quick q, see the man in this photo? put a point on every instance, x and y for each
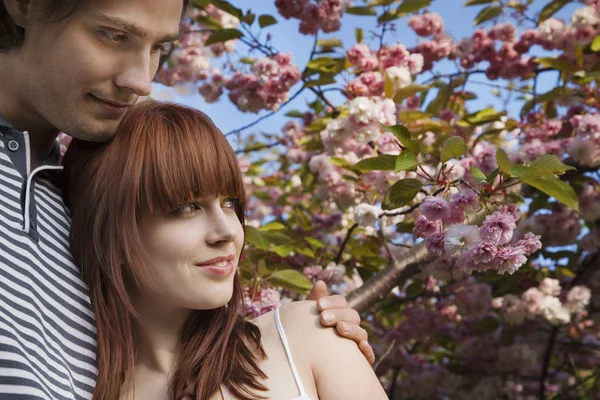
(74, 66)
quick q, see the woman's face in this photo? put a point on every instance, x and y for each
(193, 253)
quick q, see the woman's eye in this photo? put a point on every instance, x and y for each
(188, 208)
(232, 202)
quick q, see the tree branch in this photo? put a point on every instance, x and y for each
(364, 297)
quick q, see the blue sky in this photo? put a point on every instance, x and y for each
(285, 38)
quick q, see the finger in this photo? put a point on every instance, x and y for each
(351, 331)
(318, 290)
(346, 315)
(367, 351)
(332, 302)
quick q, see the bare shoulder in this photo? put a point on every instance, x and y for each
(300, 317)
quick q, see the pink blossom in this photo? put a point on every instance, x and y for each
(530, 243)
(435, 243)
(484, 253)
(435, 208)
(461, 237)
(361, 58)
(466, 199)
(260, 302)
(291, 8)
(509, 259)
(474, 300)
(505, 32)
(426, 24)
(498, 228)
(425, 227)
(456, 215)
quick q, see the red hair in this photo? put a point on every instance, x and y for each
(162, 155)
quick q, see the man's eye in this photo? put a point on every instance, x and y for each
(114, 37)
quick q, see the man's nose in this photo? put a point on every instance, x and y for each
(135, 75)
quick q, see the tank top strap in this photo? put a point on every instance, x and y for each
(286, 345)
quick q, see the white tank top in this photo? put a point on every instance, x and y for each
(303, 395)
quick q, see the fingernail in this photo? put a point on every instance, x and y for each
(328, 316)
(344, 327)
(323, 304)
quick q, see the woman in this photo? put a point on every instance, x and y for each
(157, 230)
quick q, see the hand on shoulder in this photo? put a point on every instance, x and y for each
(338, 366)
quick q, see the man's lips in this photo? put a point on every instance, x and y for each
(113, 107)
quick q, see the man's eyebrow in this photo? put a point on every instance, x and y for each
(133, 28)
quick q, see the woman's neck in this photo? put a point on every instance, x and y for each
(157, 336)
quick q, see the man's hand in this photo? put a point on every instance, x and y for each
(335, 312)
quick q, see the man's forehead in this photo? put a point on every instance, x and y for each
(133, 27)
(159, 19)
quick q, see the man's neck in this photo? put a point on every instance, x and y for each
(15, 110)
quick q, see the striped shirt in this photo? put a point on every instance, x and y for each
(47, 328)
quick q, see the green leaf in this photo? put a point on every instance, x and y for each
(440, 102)
(415, 289)
(294, 114)
(223, 35)
(486, 14)
(503, 161)
(327, 64)
(248, 18)
(359, 34)
(477, 2)
(557, 63)
(266, 20)
(398, 130)
(553, 187)
(453, 148)
(315, 243)
(551, 8)
(209, 22)
(254, 237)
(388, 87)
(291, 279)
(403, 135)
(401, 193)
(384, 162)
(477, 174)
(484, 116)
(490, 178)
(305, 251)
(518, 170)
(595, 46)
(282, 250)
(486, 325)
(409, 6)
(549, 164)
(263, 271)
(324, 79)
(273, 226)
(360, 11)
(405, 161)
(564, 271)
(329, 43)
(555, 94)
(408, 91)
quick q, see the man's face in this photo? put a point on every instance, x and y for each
(82, 74)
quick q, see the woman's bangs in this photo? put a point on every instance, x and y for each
(188, 160)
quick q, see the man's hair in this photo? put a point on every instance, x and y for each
(11, 35)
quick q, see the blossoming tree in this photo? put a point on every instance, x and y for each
(468, 236)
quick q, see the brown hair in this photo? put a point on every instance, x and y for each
(12, 36)
(162, 155)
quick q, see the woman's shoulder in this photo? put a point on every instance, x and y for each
(301, 325)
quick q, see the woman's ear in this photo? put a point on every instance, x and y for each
(18, 11)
